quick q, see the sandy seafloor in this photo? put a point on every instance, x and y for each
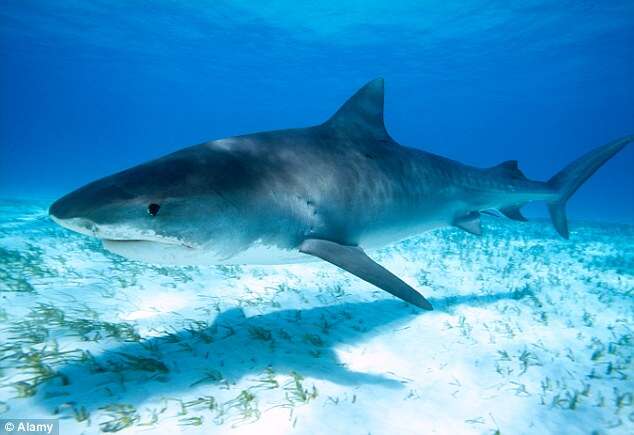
(531, 334)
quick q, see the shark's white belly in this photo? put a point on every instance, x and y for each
(255, 254)
(171, 254)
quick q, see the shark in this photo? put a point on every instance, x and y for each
(333, 191)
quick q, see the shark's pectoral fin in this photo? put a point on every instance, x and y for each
(352, 259)
(470, 223)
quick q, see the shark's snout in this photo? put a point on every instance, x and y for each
(105, 213)
(67, 214)
(59, 210)
(79, 225)
(84, 201)
(80, 211)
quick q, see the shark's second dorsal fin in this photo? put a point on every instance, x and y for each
(362, 114)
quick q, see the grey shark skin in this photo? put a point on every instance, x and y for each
(325, 191)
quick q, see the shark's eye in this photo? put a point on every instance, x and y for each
(153, 209)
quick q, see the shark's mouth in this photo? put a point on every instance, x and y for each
(131, 243)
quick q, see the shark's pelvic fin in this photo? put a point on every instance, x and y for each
(470, 223)
(513, 212)
(362, 114)
(568, 180)
(352, 259)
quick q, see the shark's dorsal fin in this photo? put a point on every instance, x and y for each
(362, 114)
(508, 168)
(509, 164)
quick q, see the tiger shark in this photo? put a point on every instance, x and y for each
(328, 191)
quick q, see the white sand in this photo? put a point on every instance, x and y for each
(531, 334)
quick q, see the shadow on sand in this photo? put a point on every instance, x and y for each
(234, 346)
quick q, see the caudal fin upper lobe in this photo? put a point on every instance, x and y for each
(568, 180)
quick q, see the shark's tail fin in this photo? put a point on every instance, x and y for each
(568, 180)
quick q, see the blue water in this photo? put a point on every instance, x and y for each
(88, 88)
(530, 333)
